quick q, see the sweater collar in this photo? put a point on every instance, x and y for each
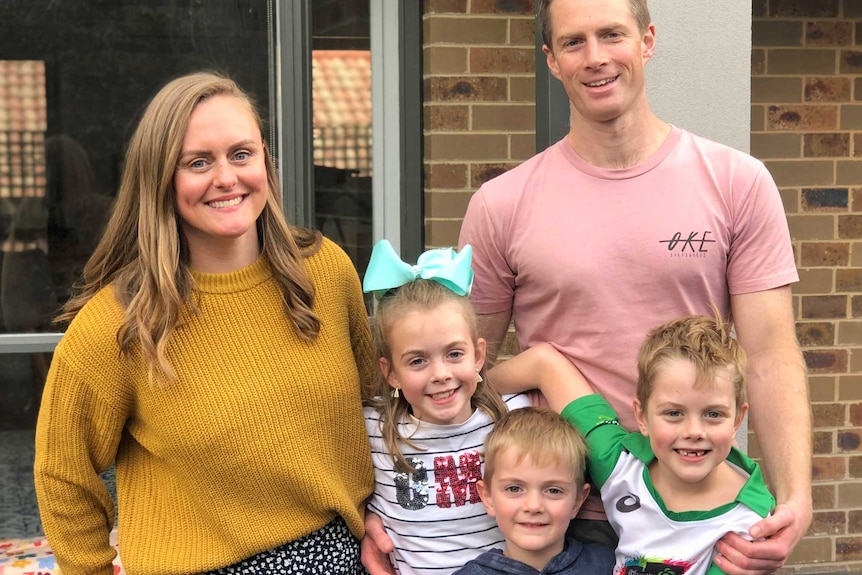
(240, 280)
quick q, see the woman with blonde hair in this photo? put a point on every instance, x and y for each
(215, 354)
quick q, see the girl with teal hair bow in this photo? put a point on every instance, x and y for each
(430, 410)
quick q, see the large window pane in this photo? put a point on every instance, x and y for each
(74, 79)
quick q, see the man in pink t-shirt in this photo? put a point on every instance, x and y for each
(629, 222)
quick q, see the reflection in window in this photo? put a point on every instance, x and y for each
(341, 96)
(74, 79)
(341, 108)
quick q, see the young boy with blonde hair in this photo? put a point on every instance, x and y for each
(672, 490)
(533, 486)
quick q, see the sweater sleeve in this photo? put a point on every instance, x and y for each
(360, 335)
(76, 439)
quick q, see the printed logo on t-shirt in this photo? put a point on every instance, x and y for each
(454, 483)
(628, 503)
(653, 566)
(689, 244)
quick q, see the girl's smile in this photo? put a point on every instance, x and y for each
(435, 363)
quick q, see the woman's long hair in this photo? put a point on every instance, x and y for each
(143, 252)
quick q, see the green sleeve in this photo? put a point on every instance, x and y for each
(597, 421)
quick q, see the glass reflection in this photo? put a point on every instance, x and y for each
(341, 103)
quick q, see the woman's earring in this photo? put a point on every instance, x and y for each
(478, 376)
(395, 393)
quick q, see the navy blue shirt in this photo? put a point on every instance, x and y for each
(576, 559)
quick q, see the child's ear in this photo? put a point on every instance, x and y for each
(386, 370)
(739, 417)
(485, 494)
(481, 349)
(585, 490)
(640, 417)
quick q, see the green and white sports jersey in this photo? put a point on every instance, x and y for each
(652, 538)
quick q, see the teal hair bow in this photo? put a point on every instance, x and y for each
(386, 271)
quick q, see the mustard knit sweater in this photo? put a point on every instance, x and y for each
(259, 442)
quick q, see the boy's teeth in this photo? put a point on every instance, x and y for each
(693, 453)
(226, 203)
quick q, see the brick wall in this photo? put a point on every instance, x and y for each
(479, 96)
(806, 125)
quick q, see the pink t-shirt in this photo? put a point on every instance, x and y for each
(591, 259)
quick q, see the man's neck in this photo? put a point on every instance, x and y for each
(620, 143)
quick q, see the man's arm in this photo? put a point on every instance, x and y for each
(493, 327)
(545, 368)
(781, 418)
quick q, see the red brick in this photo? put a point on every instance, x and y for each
(445, 176)
(828, 33)
(443, 118)
(855, 414)
(854, 468)
(828, 415)
(848, 280)
(818, 254)
(828, 468)
(445, 6)
(848, 440)
(500, 60)
(522, 31)
(823, 496)
(503, 7)
(481, 173)
(758, 62)
(474, 89)
(826, 360)
(823, 442)
(828, 89)
(796, 117)
(804, 8)
(828, 523)
(850, 227)
(824, 307)
(848, 549)
(815, 334)
(850, 62)
(826, 145)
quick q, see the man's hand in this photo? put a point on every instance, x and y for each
(775, 537)
(376, 546)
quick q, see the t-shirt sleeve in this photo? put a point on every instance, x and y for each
(598, 422)
(761, 255)
(484, 229)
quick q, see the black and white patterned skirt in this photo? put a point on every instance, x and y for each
(330, 549)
